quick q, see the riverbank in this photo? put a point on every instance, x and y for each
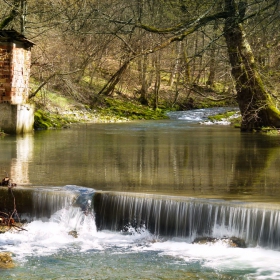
(57, 111)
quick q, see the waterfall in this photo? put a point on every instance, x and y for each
(189, 218)
(46, 202)
(164, 216)
(41, 203)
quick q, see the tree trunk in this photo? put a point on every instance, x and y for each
(19, 7)
(23, 6)
(143, 68)
(255, 103)
(176, 67)
(13, 14)
(212, 64)
(157, 81)
(186, 62)
(109, 87)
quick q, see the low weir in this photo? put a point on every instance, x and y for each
(35, 203)
(164, 216)
(189, 217)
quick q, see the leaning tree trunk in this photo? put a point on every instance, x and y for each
(255, 103)
(143, 69)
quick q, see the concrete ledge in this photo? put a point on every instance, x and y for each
(16, 119)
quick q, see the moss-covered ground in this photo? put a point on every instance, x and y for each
(54, 111)
(233, 117)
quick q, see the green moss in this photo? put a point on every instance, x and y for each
(122, 108)
(269, 131)
(227, 116)
(219, 88)
(41, 121)
(237, 125)
(220, 117)
(45, 120)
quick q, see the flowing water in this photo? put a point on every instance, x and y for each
(134, 197)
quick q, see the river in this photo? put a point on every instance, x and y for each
(143, 192)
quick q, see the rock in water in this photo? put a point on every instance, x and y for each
(6, 260)
(74, 233)
(230, 241)
(204, 240)
(238, 242)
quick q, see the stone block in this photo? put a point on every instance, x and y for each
(16, 119)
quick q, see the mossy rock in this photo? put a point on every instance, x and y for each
(6, 260)
(220, 117)
(270, 131)
(234, 242)
(41, 120)
(230, 116)
(45, 120)
(4, 228)
(73, 233)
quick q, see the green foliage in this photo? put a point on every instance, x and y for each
(131, 110)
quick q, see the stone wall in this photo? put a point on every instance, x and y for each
(16, 119)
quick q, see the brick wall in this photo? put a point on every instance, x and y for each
(5, 77)
(15, 62)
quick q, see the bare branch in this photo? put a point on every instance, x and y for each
(207, 97)
(33, 94)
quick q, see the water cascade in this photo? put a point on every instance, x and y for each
(164, 216)
(42, 203)
(114, 228)
(189, 218)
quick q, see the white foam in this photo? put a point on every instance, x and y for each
(46, 238)
(220, 256)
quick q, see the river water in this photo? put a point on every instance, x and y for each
(142, 183)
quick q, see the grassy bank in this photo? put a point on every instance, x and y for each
(54, 111)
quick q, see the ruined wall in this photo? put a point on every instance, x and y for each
(20, 69)
(5, 77)
(15, 60)
(16, 116)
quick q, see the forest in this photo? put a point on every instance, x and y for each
(161, 54)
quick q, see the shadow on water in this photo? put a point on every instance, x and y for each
(255, 162)
(172, 157)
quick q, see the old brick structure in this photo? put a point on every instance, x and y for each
(16, 115)
(15, 60)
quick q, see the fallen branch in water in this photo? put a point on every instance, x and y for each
(7, 219)
(7, 182)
